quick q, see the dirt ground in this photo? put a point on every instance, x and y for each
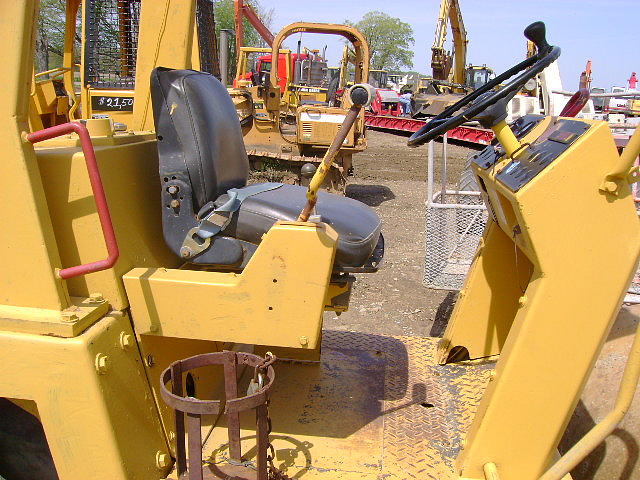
(391, 178)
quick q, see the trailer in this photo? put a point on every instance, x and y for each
(477, 136)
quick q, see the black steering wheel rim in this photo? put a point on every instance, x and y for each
(441, 123)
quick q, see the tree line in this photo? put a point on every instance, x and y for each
(390, 39)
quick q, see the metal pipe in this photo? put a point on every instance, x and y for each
(297, 67)
(505, 136)
(224, 56)
(430, 198)
(99, 197)
(624, 165)
(444, 168)
(597, 434)
(629, 154)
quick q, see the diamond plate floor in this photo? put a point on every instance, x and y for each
(375, 407)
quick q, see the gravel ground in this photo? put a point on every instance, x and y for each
(391, 178)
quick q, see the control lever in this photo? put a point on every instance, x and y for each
(537, 33)
(361, 95)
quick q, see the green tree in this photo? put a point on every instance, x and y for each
(390, 40)
(50, 34)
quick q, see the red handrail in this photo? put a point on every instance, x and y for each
(98, 194)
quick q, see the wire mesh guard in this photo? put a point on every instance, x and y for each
(208, 46)
(111, 43)
(455, 221)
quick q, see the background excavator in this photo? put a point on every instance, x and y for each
(451, 76)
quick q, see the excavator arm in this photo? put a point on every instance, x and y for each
(243, 10)
(441, 60)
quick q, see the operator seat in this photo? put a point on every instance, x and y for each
(202, 156)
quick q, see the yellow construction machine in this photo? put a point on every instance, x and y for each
(286, 123)
(108, 49)
(452, 77)
(162, 319)
(287, 138)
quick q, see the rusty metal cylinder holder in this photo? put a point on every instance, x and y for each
(194, 408)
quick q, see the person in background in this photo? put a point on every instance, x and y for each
(405, 102)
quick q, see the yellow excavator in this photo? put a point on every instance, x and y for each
(451, 76)
(162, 319)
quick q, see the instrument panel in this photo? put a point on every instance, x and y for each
(535, 157)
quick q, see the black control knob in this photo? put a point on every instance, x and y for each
(536, 32)
(359, 95)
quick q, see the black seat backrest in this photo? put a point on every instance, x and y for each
(201, 156)
(199, 134)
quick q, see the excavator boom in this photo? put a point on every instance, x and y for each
(243, 10)
(441, 60)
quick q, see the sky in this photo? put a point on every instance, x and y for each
(603, 31)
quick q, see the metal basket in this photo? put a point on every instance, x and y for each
(455, 221)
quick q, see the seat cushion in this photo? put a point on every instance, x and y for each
(358, 226)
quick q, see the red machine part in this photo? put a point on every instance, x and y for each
(576, 103)
(282, 66)
(478, 136)
(243, 10)
(386, 102)
(98, 195)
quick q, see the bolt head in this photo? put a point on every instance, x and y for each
(185, 252)
(304, 340)
(610, 186)
(174, 203)
(102, 363)
(149, 361)
(96, 297)
(163, 460)
(172, 189)
(522, 301)
(69, 317)
(126, 340)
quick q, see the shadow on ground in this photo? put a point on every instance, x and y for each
(372, 195)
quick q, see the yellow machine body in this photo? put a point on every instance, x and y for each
(293, 95)
(84, 355)
(284, 132)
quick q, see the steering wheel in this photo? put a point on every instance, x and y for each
(545, 56)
